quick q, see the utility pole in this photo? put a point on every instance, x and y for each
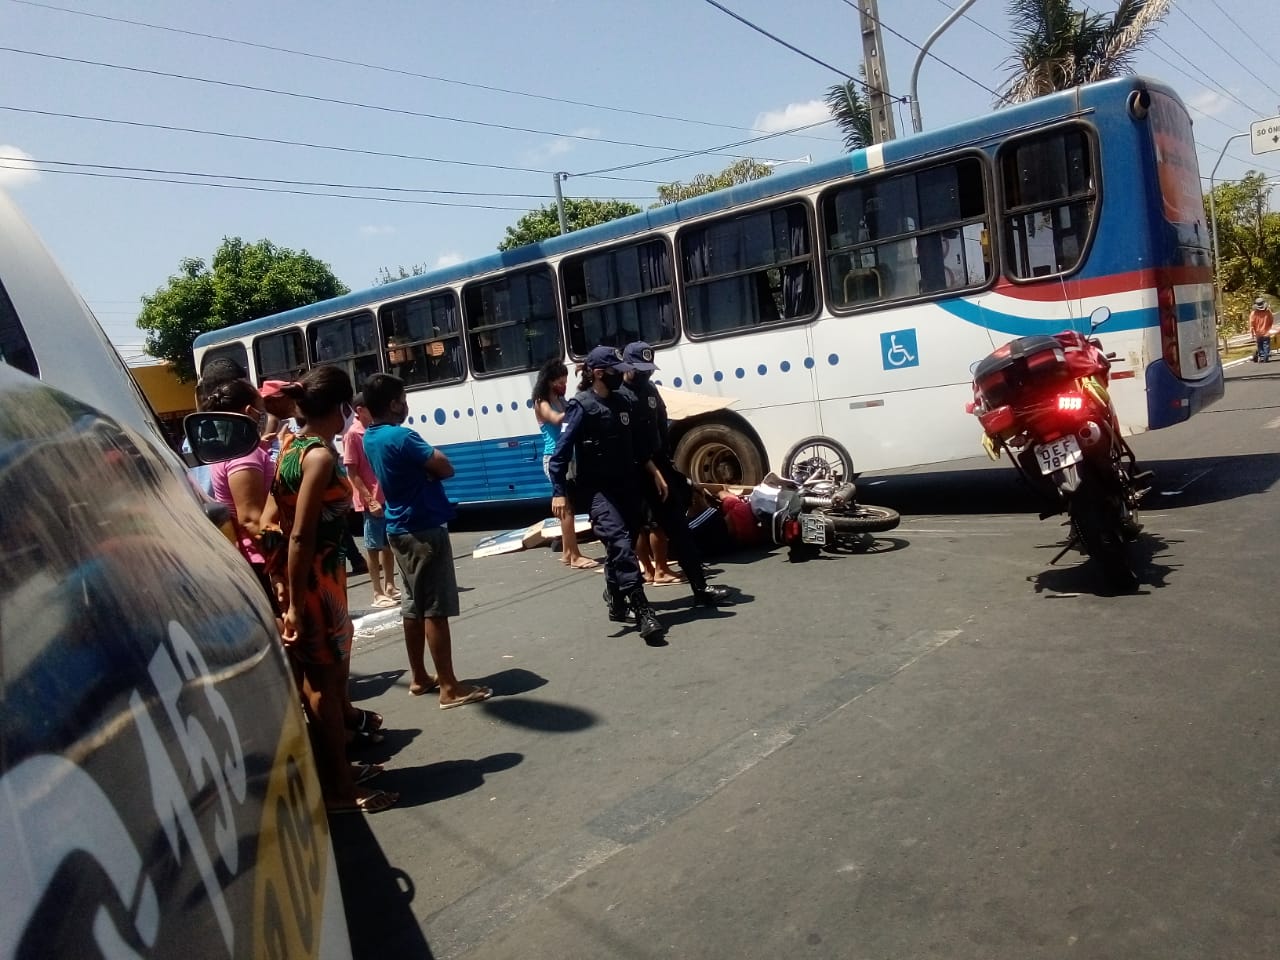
(878, 100)
(559, 177)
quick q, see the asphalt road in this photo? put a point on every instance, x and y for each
(944, 748)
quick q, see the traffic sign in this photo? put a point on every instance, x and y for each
(1264, 135)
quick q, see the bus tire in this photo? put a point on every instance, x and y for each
(719, 453)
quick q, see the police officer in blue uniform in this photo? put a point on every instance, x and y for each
(596, 436)
(650, 436)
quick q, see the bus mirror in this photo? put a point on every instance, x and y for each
(214, 437)
(1139, 104)
(1099, 316)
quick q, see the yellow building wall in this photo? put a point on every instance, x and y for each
(168, 395)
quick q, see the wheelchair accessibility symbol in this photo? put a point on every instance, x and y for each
(898, 349)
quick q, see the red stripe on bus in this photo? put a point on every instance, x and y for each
(1055, 290)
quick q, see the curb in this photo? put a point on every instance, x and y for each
(371, 623)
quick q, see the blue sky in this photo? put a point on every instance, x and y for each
(718, 80)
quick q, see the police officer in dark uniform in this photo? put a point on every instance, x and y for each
(650, 435)
(596, 436)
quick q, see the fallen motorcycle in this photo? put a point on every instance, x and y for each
(1044, 401)
(820, 512)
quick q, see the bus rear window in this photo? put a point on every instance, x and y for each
(1050, 200)
(748, 270)
(280, 356)
(619, 296)
(423, 340)
(346, 342)
(1176, 163)
(512, 322)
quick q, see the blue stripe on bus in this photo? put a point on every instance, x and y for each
(496, 470)
(1017, 326)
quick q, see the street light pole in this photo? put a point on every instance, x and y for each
(564, 221)
(916, 123)
(1213, 222)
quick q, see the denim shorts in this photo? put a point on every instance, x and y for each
(375, 531)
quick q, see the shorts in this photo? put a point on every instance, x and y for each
(429, 584)
(546, 465)
(375, 531)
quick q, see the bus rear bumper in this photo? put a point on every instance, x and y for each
(1172, 400)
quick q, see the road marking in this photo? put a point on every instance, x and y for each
(473, 918)
(1182, 489)
(1273, 425)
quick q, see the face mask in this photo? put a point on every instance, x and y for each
(642, 376)
(262, 422)
(612, 379)
(348, 417)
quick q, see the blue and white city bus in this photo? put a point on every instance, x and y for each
(845, 299)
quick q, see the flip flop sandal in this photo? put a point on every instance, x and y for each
(384, 601)
(374, 802)
(363, 772)
(475, 696)
(369, 726)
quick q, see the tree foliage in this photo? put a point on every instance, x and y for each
(247, 281)
(740, 171)
(544, 223)
(1248, 245)
(852, 114)
(1056, 47)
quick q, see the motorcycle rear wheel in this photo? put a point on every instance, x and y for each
(1098, 522)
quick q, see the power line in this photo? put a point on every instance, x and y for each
(1215, 42)
(1248, 36)
(912, 43)
(712, 151)
(293, 183)
(382, 68)
(976, 23)
(792, 47)
(315, 98)
(242, 186)
(1221, 88)
(292, 143)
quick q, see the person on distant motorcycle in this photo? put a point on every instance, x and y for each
(649, 436)
(1261, 320)
(596, 438)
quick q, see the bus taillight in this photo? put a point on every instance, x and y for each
(1168, 308)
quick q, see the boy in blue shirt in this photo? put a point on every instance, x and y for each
(410, 472)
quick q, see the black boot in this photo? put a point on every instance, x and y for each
(707, 595)
(646, 616)
(618, 610)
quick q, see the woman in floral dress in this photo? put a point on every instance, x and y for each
(312, 494)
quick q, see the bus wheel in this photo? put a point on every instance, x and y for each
(716, 453)
(813, 454)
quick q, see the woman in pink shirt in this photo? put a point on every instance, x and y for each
(244, 484)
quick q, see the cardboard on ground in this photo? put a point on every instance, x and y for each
(683, 403)
(535, 535)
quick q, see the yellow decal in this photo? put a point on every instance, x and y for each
(293, 844)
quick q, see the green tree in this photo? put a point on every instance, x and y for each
(580, 212)
(1056, 47)
(386, 276)
(852, 114)
(247, 281)
(740, 171)
(1248, 245)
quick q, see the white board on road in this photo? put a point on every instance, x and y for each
(1264, 135)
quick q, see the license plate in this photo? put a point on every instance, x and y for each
(1059, 454)
(813, 529)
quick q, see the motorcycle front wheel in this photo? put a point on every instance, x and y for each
(864, 518)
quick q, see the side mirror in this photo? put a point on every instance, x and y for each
(1099, 316)
(214, 437)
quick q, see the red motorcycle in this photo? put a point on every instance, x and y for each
(1044, 401)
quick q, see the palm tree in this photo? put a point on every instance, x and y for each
(852, 114)
(1057, 47)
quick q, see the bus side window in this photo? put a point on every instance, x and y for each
(749, 270)
(513, 322)
(280, 356)
(423, 340)
(1050, 196)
